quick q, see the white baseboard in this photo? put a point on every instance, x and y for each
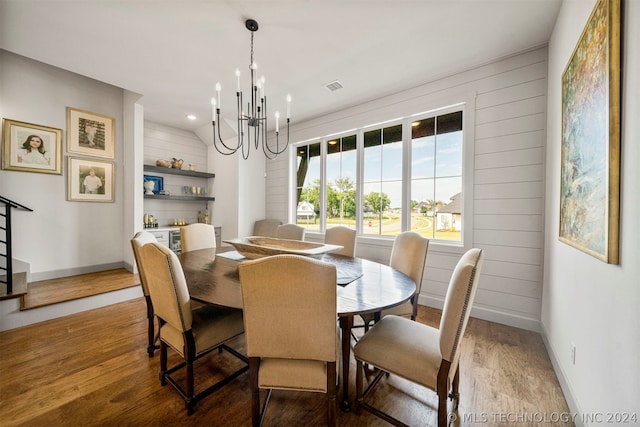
(55, 274)
(572, 403)
(491, 315)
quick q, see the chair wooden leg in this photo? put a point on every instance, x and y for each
(254, 366)
(150, 328)
(190, 356)
(331, 393)
(454, 395)
(441, 390)
(163, 363)
(189, 402)
(359, 379)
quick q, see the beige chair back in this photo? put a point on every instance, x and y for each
(457, 305)
(290, 232)
(167, 285)
(343, 236)
(409, 255)
(139, 240)
(266, 227)
(289, 305)
(197, 236)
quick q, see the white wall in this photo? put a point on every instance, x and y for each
(585, 301)
(59, 237)
(506, 109)
(62, 238)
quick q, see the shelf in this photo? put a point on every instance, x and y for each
(172, 171)
(181, 198)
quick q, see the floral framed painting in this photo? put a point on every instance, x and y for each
(27, 147)
(590, 146)
(90, 134)
(90, 180)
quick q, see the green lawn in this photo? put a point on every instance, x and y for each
(391, 225)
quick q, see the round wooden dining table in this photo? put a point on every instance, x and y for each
(363, 287)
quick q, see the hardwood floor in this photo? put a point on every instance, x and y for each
(53, 291)
(92, 369)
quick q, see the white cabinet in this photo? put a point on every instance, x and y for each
(170, 237)
(162, 236)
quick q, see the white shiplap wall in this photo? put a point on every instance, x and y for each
(164, 142)
(508, 111)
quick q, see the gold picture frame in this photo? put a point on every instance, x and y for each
(90, 134)
(28, 147)
(90, 180)
(590, 146)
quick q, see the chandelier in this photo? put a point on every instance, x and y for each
(252, 122)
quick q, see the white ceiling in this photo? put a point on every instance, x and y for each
(173, 52)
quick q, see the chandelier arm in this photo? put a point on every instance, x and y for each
(277, 150)
(215, 144)
(265, 146)
(241, 131)
(221, 141)
(232, 150)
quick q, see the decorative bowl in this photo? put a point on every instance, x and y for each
(253, 247)
(163, 163)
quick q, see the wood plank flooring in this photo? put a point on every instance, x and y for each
(54, 291)
(92, 369)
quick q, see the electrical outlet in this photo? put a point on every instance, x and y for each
(573, 353)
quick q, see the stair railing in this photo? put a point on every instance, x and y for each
(6, 242)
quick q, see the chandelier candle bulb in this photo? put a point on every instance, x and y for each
(238, 80)
(277, 121)
(288, 106)
(213, 109)
(218, 89)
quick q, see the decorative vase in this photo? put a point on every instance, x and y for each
(149, 186)
(177, 163)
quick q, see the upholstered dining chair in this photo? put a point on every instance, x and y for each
(422, 354)
(140, 239)
(290, 232)
(343, 236)
(284, 297)
(409, 256)
(197, 236)
(191, 333)
(266, 227)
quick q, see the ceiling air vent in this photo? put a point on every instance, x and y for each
(333, 86)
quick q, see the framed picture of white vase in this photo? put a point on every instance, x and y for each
(90, 134)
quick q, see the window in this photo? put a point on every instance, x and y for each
(436, 176)
(341, 182)
(382, 187)
(308, 185)
(382, 180)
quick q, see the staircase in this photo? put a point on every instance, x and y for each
(13, 281)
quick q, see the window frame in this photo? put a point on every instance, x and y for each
(464, 103)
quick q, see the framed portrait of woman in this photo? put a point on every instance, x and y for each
(27, 147)
(90, 134)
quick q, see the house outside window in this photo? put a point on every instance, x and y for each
(436, 176)
(308, 184)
